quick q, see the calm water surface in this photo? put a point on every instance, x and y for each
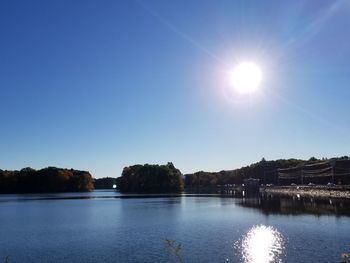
(104, 226)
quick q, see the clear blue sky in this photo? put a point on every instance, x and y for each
(99, 85)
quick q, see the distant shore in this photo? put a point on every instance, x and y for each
(310, 191)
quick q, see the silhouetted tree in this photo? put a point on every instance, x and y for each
(151, 179)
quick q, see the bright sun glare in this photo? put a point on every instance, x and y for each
(246, 77)
(262, 244)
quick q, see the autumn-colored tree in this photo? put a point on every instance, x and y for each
(50, 179)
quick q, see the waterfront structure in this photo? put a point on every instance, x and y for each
(327, 172)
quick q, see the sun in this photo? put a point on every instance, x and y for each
(246, 77)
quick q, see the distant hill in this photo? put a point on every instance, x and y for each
(105, 183)
(46, 180)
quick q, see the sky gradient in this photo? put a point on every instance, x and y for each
(99, 85)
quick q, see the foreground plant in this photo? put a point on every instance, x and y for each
(344, 258)
(174, 248)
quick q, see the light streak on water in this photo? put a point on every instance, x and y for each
(261, 244)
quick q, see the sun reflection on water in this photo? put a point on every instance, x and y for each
(261, 244)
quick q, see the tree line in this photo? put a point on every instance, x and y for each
(151, 178)
(148, 178)
(265, 171)
(50, 179)
(166, 178)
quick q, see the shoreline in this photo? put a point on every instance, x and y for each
(309, 191)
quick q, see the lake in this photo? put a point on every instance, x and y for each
(106, 226)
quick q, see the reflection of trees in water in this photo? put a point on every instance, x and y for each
(296, 205)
